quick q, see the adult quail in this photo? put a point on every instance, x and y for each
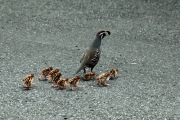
(92, 54)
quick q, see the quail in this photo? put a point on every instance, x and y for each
(45, 72)
(56, 78)
(92, 54)
(89, 76)
(52, 74)
(73, 82)
(62, 83)
(102, 78)
(28, 80)
(113, 73)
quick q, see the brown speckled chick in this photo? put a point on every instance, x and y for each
(28, 80)
(52, 74)
(45, 73)
(113, 73)
(62, 83)
(102, 79)
(73, 82)
(89, 76)
(56, 78)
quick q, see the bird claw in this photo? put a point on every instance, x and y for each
(107, 84)
(100, 85)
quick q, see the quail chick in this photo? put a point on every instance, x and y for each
(92, 54)
(28, 80)
(89, 76)
(73, 82)
(56, 78)
(103, 78)
(62, 83)
(113, 73)
(45, 72)
(52, 74)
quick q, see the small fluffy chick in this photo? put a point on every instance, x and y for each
(89, 76)
(56, 78)
(103, 78)
(45, 73)
(28, 80)
(73, 82)
(62, 83)
(52, 74)
(113, 73)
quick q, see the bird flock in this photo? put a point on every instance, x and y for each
(89, 60)
(54, 76)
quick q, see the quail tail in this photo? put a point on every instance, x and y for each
(78, 70)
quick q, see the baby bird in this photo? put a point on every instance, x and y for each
(28, 80)
(92, 54)
(62, 83)
(89, 76)
(73, 82)
(113, 73)
(45, 73)
(56, 78)
(52, 74)
(102, 78)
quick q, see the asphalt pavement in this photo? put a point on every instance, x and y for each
(144, 45)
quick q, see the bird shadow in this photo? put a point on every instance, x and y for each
(26, 88)
(114, 78)
(68, 89)
(75, 89)
(42, 79)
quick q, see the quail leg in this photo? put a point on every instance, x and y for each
(50, 79)
(92, 69)
(99, 83)
(64, 87)
(45, 77)
(61, 88)
(77, 86)
(106, 84)
(84, 70)
(25, 85)
(40, 77)
(54, 84)
(71, 87)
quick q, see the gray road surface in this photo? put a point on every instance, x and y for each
(144, 45)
